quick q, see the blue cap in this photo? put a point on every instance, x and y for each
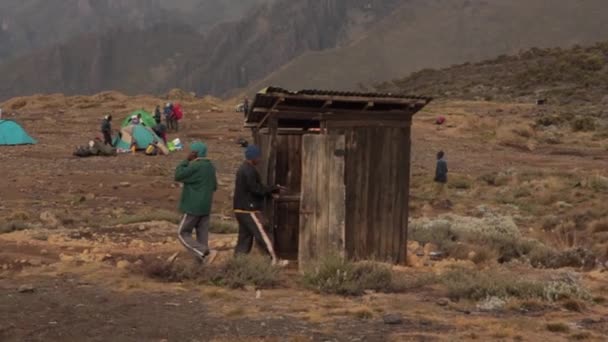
(252, 152)
(200, 149)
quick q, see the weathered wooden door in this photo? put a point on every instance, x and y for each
(283, 212)
(322, 206)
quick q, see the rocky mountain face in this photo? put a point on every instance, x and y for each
(294, 44)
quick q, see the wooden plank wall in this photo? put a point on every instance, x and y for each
(287, 211)
(322, 207)
(377, 193)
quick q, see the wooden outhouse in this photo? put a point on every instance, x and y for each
(345, 158)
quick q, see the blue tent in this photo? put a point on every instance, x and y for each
(11, 133)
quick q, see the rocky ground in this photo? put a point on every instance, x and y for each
(77, 233)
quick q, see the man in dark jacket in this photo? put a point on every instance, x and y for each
(157, 114)
(199, 178)
(441, 174)
(106, 130)
(249, 197)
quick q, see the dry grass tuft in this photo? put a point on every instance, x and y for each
(236, 273)
(558, 327)
(338, 276)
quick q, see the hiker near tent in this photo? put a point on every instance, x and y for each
(169, 116)
(106, 130)
(161, 130)
(441, 175)
(249, 196)
(198, 175)
(157, 114)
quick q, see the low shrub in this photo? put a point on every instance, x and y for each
(583, 124)
(335, 275)
(224, 227)
(558, 327)
(12, 226)
(460, 183)
(464, 283)
(157, 215)
(598, 184)
(600, 226)
(236, 273)
(250, 270)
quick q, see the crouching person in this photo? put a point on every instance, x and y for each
(249, 196)
(197, 173)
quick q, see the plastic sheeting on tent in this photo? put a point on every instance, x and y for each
(11, 133)
(146, 118)
(143, 137)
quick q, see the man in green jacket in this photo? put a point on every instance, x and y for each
(200, 182)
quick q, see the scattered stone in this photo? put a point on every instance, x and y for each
(89, 196)
(44, 252)
(392, 319)
(26, 288)
(123, 264)
(142, 228)
(563, 205)
(125, 184)
(258, 294)
(35, 262)
(491, 304)
(443, 301)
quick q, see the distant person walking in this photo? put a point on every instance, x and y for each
(106, 130)
(441, 175)
(249, 196)
(198, 175)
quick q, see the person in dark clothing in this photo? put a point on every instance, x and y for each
(169, 116)
(106, 130)
(161, 130)
(249, 197)
(246, 106)
(441, 174)
(198, 175)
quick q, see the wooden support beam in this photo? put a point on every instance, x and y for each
(270, 111)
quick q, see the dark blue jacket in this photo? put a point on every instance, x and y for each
(441, 172)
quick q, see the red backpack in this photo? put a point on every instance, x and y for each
(177, 111)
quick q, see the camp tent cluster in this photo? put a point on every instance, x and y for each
(11, 133)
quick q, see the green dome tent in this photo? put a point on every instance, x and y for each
(143, 137)
(146, 118)
(11, 133)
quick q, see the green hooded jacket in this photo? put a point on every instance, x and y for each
(200, 183)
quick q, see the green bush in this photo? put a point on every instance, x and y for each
(335, 275)
(250, 270)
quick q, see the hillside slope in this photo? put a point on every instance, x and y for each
(565, 76)
(423, 34)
